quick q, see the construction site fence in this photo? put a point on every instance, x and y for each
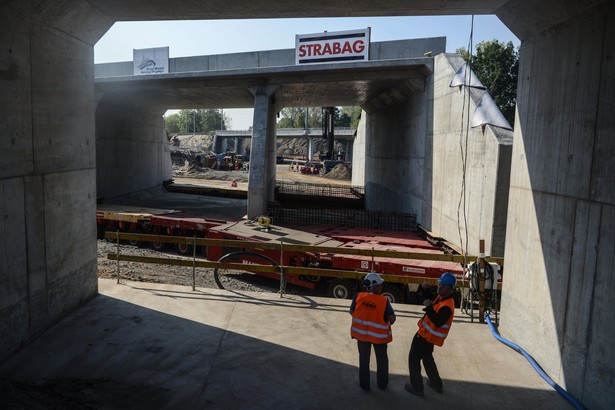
(286, 247)
(323, 190)
(351, 218)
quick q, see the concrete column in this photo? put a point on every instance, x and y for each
(358, 152)
(309, 149)
(47, 178)
(129, 142)
(394, 157)
(348, 152)
(261, 178)
(559, 280)
(220, 144)
(238, 146)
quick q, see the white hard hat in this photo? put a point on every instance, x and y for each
(372, 279)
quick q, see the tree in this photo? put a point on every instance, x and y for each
(172, 123)
(497, 66)
(349, 117)
(294, 117)
(196, 121)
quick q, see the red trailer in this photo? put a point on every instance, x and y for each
(252, 231)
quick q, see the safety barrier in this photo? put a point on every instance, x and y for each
(279, 269)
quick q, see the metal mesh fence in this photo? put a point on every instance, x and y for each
(352, 218)
(324, 190)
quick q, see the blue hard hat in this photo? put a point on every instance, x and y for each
(447, 278)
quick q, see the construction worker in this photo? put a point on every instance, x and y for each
(433, 329)
(372, 317)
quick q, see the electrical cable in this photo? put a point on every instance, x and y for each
(534, 364)
(464, 158)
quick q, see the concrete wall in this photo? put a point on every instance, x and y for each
(560, 266)
(394, 156)
(132, 152)
(47, 168)
(486, 174)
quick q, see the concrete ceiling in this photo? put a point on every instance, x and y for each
(88, 20)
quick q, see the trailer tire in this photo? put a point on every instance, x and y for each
(183, 249)
(218, 273)
(134, 242)
(342, 288)
(394, 293)
(159, 246)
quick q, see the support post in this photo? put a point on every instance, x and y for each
(481, 281)
(194, 263)
(117, 271)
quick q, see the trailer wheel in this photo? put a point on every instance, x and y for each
(134, 242)
(394, 293)
(220, 274)
(342, 288)
(159, 246)
(184, 249)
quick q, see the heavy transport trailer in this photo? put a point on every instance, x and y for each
(384, 240)
(130, 219)
(253, 231)
(405, 274)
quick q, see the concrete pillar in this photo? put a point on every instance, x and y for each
(358, 152)
(394, 157)
(309, 149)
(47, 178)
(348, 152)
(129, 142)
(559, 281)
(220, 144)
(261, 178)
(239, 145)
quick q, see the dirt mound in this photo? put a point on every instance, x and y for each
(198, 142)
(340, 172)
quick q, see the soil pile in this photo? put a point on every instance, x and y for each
(340, 172)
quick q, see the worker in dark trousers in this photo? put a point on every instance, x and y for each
(433, 329)
(372, 317)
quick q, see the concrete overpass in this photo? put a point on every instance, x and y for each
(561, 204)
(129, 107)
(345, 134)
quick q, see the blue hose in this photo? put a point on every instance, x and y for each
(535, 365)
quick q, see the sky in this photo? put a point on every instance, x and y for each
(207, 37)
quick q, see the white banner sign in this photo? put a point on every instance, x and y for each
(151, 61)
(333, 47)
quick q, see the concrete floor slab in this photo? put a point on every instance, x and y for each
(171, 347)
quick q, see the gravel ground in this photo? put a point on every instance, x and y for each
(182, 275)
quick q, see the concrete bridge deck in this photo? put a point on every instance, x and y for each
(144, 345)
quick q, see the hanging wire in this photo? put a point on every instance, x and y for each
(463, 145)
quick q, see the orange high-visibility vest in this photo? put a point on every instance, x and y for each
(368, 323)
(432, 333)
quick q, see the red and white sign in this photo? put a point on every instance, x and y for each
(332, 47)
